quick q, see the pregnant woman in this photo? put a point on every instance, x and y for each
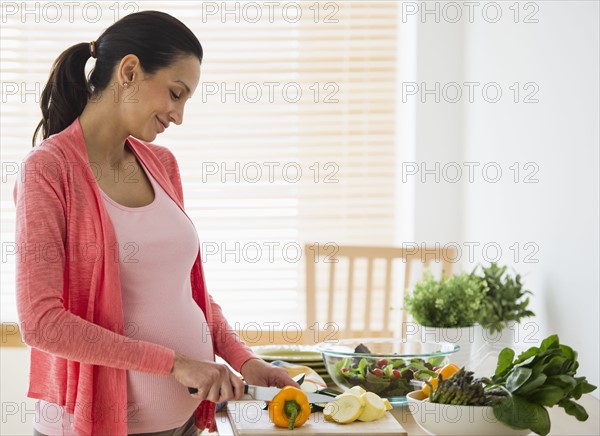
(110, 289)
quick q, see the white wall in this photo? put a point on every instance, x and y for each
(560, 135)
(18, 411)
(438, 138)
(557, 136)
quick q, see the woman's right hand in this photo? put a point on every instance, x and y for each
(215, 382)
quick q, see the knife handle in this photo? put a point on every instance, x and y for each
(195, 390)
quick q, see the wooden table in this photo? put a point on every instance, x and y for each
(562, 424)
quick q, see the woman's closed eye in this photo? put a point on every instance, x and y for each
(174, 96)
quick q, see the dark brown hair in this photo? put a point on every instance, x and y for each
(156, 38)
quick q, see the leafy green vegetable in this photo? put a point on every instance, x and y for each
(437, 361)
(517, 412)
(539, 378)
(361, 367)
(517, 378)
(574, 409)
(522, 388)
(375, 383)
(505, 359)
(532, 383)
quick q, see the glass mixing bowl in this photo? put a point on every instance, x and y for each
(389, 367)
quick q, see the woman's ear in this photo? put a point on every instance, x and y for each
(129, 68)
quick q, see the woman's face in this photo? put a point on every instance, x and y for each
(151, 102)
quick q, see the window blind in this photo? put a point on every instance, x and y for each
(288, 140)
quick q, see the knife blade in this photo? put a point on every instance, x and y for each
(263, 393)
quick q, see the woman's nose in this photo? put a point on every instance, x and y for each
(176, 116)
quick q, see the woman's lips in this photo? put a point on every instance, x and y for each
(162, 126)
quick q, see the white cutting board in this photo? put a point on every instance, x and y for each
(248, 418)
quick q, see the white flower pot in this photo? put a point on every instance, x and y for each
(487, 346)
(504, 338)
(464, 337)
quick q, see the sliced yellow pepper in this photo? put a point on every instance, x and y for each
(289, 408)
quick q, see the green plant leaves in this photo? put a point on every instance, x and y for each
(522, 388)
(456, 301)
(517, 378)
(362, 365)
(376, 384)
(587, 387)
(436, 361)
(532, 384)
(549, 343)
(505, 298)
(574, 409)
(492, 299)
(505, 359)
(516, 412)
(547, 395)
(540, 377)
(582, 387)
(566, 382)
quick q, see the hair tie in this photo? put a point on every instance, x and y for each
(93, 49)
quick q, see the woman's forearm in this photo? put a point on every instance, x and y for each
(59, 332)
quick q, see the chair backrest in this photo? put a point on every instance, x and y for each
(333, 309)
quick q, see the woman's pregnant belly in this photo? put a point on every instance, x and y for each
(156, 402)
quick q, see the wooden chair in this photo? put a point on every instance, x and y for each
(334, 309)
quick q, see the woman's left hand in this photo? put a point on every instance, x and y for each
(260, 373)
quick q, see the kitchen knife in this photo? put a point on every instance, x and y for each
(262, 393)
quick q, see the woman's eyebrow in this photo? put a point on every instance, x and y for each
(187, 88)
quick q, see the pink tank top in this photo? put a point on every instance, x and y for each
(158, 245)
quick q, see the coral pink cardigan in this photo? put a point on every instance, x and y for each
(69, 291)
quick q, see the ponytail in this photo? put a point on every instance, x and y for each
(65, 95)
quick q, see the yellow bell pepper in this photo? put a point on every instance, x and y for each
(447, 371)
(289, 408)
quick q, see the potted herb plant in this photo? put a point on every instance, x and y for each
(505, 305)
(473, 310)
(448, 310)
(506, 301)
